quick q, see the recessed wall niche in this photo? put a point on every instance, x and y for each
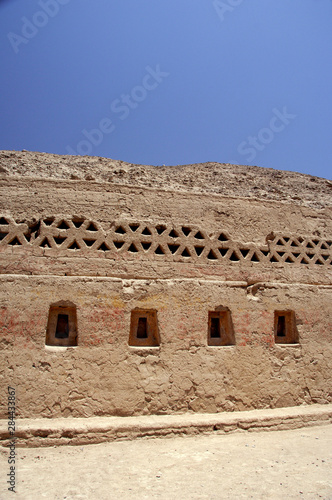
(220, 328)
(62, 325)
(285, 331)
(144, 328)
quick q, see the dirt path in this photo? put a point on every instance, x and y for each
(266, 465)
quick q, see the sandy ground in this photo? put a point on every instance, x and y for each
(265, 465)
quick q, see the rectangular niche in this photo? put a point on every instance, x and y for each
(285, 331)
(144, 328)
(220, 328)
(62, 326)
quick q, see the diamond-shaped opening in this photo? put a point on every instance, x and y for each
(159, 250)
(89, 242)
(160, 228)
(212, 255)
(2, 235)
(198, 250)
(222, 237)
(74, 246)
(15, 241)
(234, 257)
(63, 225)
(146, 245)
(118, 244)
(146, 232)
(173, 248)
(3, 222)
(78, 221)
(132, 248)
(244, 252)
(300, 239)
(120, 230)
(185, 253)
(199, 236)
(49, 221)
(45, 243)
(59, 239)
(186, 230)
(254, 257)
(103, 247)
(134, 227)
(92, 227)
(223, 251)
(173, 234)
(274, 259)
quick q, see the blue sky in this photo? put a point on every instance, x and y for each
(170, 82)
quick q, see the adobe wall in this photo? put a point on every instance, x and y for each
(110, 248)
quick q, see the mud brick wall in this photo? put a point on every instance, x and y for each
(135, 238)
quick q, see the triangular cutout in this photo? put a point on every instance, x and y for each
(146, 232)
(234, 257)
(274, 259)
(173, 248)
(223, 251)
(103, 247)
(265, 252)
(289, 260)
(310, 245)
(280, 242)
(146, 245)
(281, 253)
(325, 257)
(173, 234)
(186, 230)
(118, 244)
(15, 241)
(45, 243)
(223, 237)
(318, 261)
(199, 236)
(78, 221)
(49, 221)
(310, 255)
(185, 253)
(286, 239)
(295, 255)
(304, 261)
(160, 228)
(2, 235)
(120, 230)
(199, 250)
(244, 252)
(3, 222)
(92, 227)
(63, 225)
(74, 246)
(59, 239)
(132, 248)
(159, 250)
(88, 242)
(324, 246)
(294, 244)
(254, 257)
(134, 227)
(212, 255)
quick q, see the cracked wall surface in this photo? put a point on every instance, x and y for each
(109, 248)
